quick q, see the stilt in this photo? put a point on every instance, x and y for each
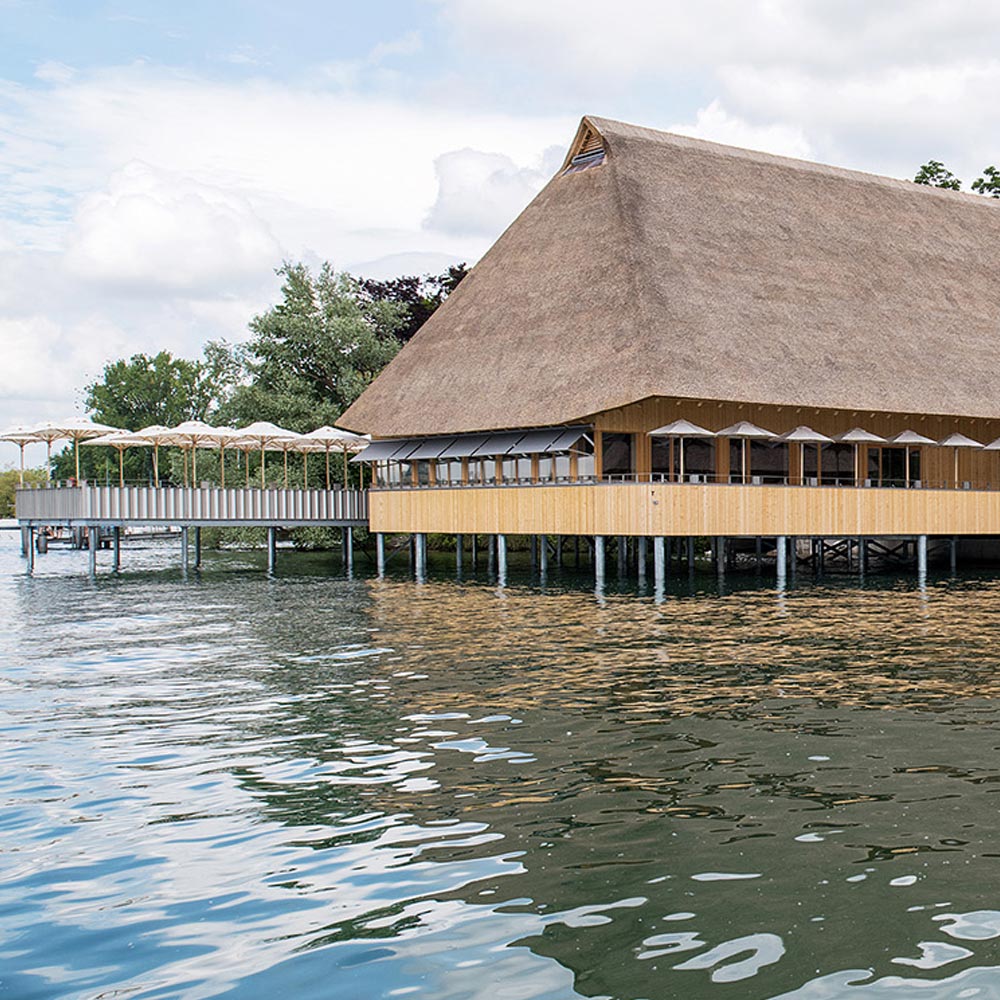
(559, 550)
(533, 550)
(94, 538)
(792, 546)
(641, 547)
(720, 555)
(501, 559)
(922, 556)
(491, 541)
(380, 554)
(459, 540)
(599, 560)
(475, 552)
(543, 555)
(690, 548)
(28, 533)
(413, 553)
(272, 550)
(659, 562)
(116, 536)
(622, 553)
(184, 549)
(758, 551)
(197, 548)
(781, 554)
(862, 556)
(420, 542)
(42, 541)
(576, 548)
(349, 549)
(953, 553)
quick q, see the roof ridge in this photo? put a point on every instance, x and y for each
(613, 128)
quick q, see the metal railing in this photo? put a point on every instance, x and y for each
(701, 479)
(189, 505)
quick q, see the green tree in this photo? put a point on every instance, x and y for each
(149, 389)
(9, 480)
(936, 174)
(159, 389)
(420, 295)
(989, 183)
(311, 355)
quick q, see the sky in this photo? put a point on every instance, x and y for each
(159, 160)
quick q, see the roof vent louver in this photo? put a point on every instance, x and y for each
(588, 151)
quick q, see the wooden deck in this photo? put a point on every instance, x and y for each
(690, 509)
(195, 507)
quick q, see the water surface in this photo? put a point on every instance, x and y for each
(314, 786)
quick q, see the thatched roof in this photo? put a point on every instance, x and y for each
(679, 267)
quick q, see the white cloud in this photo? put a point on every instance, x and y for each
(716, 124)
(153, 232)
(481, 193)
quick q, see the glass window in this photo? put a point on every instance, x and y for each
(617, 454)
(838, 465)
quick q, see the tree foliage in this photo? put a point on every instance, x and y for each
(159, 389)
(935, 174)
(9, 480)
(420, 295)
(989, 183)
(311, 355)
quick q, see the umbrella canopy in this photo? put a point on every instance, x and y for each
(75, 429)
(908, 439)
(682, 428)
(217, 437)
(957, 441)
(748, 432)
(265, 436)
(197, 434)
(333, 437)
(858, 436)
(119, 440)
(804, 435)
(992, 446)
(20, 435)
(156, 435)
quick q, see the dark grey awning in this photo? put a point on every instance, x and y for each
(550, 440)
(380, 451)
(430, 448)
(536, 442)
(498, 444)
(463, 447)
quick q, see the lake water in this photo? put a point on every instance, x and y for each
(309, 786)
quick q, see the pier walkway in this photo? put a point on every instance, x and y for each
(112, 508)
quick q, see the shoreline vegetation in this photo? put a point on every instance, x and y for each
(308, 357)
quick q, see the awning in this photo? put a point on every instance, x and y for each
(429, 449)
(550, 440)
(498, 444)
(380, 451)
(463, 447)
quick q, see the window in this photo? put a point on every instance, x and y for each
(616, 459)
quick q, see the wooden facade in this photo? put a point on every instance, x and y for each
(981, 468)
(677, 510)
(642, 505)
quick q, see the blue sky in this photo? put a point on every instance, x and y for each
(158, 160)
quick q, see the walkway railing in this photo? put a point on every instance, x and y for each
(191, 505)
(699, 479)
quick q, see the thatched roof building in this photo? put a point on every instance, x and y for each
(658, 265)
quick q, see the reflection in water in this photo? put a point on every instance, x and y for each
(317, 786)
